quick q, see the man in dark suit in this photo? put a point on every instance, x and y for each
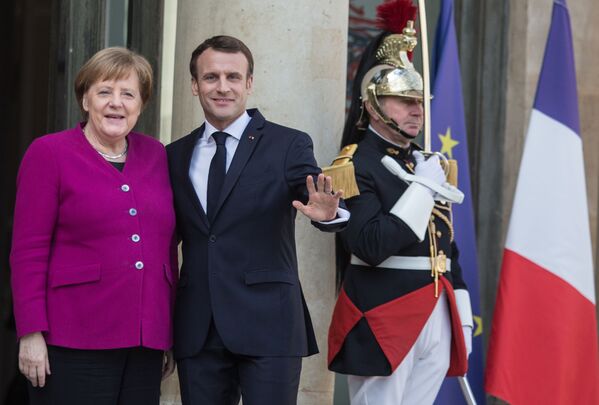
(241, 322)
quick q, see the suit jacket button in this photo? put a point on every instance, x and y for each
(212, 238)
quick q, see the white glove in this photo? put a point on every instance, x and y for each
(430, 169)
(467, 329)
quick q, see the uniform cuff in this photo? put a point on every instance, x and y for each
(462, 299)
(414, 208)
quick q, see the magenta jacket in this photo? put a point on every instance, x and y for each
(94, 262)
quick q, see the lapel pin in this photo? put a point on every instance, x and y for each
(251, 137)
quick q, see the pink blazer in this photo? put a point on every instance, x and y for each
(94, 261)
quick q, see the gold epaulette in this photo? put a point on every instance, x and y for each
(342, 172)
(452, 173)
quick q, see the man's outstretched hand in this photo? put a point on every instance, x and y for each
(322, 202)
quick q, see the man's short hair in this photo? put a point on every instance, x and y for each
(222, 43)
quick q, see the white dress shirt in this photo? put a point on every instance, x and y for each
(205, 149)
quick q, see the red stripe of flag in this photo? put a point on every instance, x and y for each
(543, 331)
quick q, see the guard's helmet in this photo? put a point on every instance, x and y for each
(385, 68)
(395, 75)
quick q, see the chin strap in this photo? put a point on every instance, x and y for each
(393, 125)
(389, 121)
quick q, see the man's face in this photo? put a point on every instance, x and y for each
(222, 85)
(406, 112)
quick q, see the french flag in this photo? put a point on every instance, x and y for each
(543, 347)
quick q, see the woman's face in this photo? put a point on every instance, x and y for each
(113, 107)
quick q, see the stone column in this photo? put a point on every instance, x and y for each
(299, 81)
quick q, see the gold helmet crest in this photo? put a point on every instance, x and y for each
(395, 75)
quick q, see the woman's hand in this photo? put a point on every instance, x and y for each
(33, 358)
(168, 367)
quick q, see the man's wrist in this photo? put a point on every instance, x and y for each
(342, 215)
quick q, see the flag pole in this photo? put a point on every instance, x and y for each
(425, 76)
(466, 390)
(426, 104)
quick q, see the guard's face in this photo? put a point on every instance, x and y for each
(222, 85)
(406, 112)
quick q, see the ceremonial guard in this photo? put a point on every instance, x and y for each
(403, 319)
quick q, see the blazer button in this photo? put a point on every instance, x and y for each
(212, 238)
(125, 187)
(135, 237)
(139, 265)
(132, 212)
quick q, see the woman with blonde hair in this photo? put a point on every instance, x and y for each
(94, 265)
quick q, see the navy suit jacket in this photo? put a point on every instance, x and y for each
(242, 268)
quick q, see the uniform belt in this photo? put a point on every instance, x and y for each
(402, 263)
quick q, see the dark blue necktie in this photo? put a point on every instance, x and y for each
(216, 175)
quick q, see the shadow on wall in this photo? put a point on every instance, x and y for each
(13, 390)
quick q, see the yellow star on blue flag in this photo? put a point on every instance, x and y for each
(448, 143)
(448, 129)
(478, 326)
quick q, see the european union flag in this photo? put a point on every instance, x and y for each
(448, 135)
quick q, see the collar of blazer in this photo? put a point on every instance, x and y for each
(245, 149)
(247, 144)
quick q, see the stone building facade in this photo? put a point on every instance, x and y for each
(300, 50)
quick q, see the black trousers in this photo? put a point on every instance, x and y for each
(101, 377)
(217, 376)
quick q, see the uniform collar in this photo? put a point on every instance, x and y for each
(389, 148)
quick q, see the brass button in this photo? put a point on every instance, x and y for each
(439, 234)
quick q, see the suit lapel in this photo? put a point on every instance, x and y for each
(250, 138)
(187, 184)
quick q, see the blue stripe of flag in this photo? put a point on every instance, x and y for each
(447, 119)
(556, 92)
